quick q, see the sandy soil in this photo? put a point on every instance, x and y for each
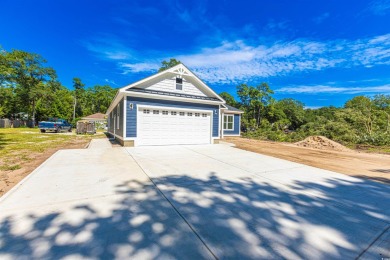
(358, 164)
(9, 179)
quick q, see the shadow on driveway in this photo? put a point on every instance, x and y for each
(236, 219)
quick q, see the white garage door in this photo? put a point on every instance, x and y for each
(172, 126)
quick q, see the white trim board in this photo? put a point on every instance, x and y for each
(176, 108)
(124, 116)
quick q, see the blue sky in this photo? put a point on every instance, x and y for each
(320, 52)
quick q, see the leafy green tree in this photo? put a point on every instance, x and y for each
(98, 99)
(382, 103)
(243, 95)
(168, 64)
(293, 111)
(262, 98)
(30, 77)
(228, 98)
(364, 116)
(5, 69)
(59, 105)
(273, 112)
(6, 100)
(78, 87)
(254, 100)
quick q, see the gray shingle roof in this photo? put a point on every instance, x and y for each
(172, 94)
(230, 108)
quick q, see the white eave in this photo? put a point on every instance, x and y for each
(232, 112)
(179, 69)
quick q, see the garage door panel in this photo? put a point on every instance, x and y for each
(172, 126)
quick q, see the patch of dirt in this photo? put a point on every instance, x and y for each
(358, 164)
(323, 143)
(9, 179)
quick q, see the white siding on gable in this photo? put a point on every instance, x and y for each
(169, 85)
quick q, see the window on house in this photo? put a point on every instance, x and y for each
(165, 112)
(204, 115)
(228, 122)
(146, 111)
(179, 83)
(189, 114)
(181, 113)
(173, 113)
(156, 112)
(197, 114)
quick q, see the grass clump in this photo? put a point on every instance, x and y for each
(21, 145)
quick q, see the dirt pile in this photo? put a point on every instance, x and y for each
(323, 143)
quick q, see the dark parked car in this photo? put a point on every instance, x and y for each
(55, 125)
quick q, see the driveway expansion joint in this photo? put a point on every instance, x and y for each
(175, 209)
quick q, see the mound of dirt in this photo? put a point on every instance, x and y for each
(323, 143)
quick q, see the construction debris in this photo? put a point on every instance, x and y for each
(85, 127)
(323, 143)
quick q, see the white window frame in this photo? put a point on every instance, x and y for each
(179, 84)
(226, 122)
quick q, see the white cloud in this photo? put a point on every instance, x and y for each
(237, 61)
(108, 47)
(321, 18)
(138, 67)
(312, 107)
(324, 89)
(110, 82)
(380, 7)
(272, 25)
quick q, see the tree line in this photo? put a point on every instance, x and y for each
(362, 119)
(30, 89)
(29, 86)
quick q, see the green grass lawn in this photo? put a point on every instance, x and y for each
(20, 145)
(371, 148)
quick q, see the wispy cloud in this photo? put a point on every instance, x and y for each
(324, 89)
(108, 47)
(139, 67)
(111, 82)
(237, 61)
(273, 25)
(312, 107)
(380, 7)
(321, 18)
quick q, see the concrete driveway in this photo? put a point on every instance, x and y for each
(191, 202)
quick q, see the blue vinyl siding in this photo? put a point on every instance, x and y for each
(110, 122)
(112, 128)
(131, 119)
(236, 130)
(131, 114)
(121, 121)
